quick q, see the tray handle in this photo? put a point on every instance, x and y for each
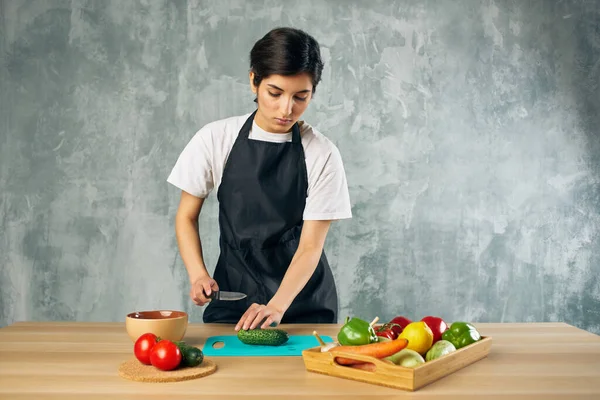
(378, 363)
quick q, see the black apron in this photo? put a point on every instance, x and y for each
(262, 196)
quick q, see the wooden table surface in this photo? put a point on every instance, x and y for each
(77, 360)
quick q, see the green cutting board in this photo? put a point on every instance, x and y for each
(230, 345)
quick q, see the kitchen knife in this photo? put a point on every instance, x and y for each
(226, 296)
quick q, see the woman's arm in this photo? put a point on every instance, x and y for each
(190, 247)
(303, 265)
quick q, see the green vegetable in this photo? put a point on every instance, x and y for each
(440, 348)
(461, 334)
(356, 332)
(190, 356)
(264, 337)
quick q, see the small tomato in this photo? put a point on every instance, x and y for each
(397, 329)
(387, 333)
(389, 330)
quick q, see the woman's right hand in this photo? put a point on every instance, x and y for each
(202, 288)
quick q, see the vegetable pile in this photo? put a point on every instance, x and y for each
(400, 341)
(164, 354)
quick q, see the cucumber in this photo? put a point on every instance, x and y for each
(263, 337)
(193, 357)
(190, 356)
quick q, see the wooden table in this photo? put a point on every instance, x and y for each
(77, 360)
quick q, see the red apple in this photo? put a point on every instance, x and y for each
(400, 323)
(437, 326)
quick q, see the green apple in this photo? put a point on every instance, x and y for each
(406, 358)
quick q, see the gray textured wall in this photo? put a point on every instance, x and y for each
(469, 131)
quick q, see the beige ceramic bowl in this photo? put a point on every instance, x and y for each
(168, 324)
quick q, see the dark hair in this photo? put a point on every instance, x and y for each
(286, 51)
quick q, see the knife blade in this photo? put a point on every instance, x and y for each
(226, 296)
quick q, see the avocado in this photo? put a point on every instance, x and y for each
(263, 337)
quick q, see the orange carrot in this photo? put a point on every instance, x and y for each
(377, 350)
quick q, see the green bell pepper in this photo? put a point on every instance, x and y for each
(461, 334)
(356, 332)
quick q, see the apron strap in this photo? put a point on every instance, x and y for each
(295, 133)
(245, 131)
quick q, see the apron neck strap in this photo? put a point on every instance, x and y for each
(295, 133)
(248, 124)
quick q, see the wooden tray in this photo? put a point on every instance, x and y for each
(396, 376)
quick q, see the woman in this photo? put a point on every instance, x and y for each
(279, 184)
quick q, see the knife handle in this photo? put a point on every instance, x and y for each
(214, 295)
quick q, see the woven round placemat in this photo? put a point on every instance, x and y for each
(136, 371)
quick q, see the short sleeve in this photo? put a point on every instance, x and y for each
(192, 172)
(328, 197)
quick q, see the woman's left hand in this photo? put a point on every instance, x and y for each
(256, 313)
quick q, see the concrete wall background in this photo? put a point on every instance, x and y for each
(469, 131)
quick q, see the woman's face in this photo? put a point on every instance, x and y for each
(281, 100)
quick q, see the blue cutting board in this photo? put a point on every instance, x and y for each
(235, 348)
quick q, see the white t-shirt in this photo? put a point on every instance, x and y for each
(199, 168)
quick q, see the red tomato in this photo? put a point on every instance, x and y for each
(389, 330)
(437, 326)
(387, 333)
(165, 355)
(397, 329)
(143, 346)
